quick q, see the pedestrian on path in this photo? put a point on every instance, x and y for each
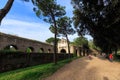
(90, 56)
(104, 55)
(111, 57)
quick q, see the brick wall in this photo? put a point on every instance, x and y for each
(12, 61)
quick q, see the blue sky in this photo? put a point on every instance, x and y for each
(22, 21)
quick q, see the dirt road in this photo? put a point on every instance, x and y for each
(85, 69)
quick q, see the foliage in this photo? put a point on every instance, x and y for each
(33, 73)
(96, 18)
(28, 50)
(92, 45)
(52, 29)
(50, 11)
(40, 51)
(64, 26)
(80, 41)
(51, 40)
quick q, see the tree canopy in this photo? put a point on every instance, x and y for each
(51, 40)
(80, 41)
(65, 27)
(100, 19)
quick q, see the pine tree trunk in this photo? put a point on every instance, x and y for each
(55, 42)
(68, 45)
(6, 9)
(55, 36)
(55, 46)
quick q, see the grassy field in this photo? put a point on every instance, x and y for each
(33, 73)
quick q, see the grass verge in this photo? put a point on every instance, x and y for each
(35, 72)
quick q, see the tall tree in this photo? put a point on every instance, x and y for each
(50, 11)
(96, 18)
(65, 28)
(5, 9)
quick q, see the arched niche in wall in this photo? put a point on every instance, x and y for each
(49, 50)
(11, 47)
(62, 51)
(30, 49)
(41, 50)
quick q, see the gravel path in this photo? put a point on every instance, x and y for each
(85, 69)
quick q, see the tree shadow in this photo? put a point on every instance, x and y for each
(105, 78)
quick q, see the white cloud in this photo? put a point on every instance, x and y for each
(31, 30)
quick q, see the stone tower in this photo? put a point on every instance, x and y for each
(63, 46)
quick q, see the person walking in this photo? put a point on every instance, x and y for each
(90, 56)
(111, 57)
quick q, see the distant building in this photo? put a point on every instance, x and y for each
(63, 47)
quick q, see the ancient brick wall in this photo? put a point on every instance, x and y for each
(12, 61)
(21, 44)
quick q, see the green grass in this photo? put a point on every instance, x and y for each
(33, 73)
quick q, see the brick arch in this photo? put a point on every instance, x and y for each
(29, 49)
(49, 50)
(62, 51)
(23, 43)
(41, 50)
(10, 46)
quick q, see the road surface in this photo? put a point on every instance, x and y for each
(85, 69)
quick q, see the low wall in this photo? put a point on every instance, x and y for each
(12, 61)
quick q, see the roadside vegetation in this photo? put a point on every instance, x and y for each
(117, 56)
(35, 72)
